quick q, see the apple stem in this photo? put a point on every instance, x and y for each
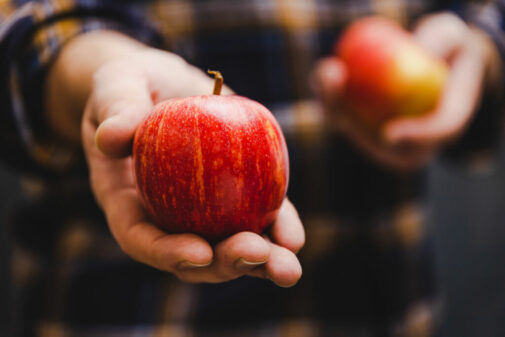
(218, 81)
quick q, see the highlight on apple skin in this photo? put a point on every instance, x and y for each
(211, 165)
(389, 73)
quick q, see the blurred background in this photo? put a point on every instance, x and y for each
(9, 194)
(468, 221)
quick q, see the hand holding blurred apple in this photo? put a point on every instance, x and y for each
(394, 124)
(388, 73)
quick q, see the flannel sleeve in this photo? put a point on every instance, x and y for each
(31, 34)
(479, 144)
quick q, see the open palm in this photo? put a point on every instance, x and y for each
(124, 92)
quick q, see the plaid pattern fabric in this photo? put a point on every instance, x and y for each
(368, 261)
(30, 38)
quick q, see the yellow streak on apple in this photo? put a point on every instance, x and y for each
(276, 146)
(144, 162)
(199, 158)
(258, 172)
(164, 197)
(161, 129)
(238, 162)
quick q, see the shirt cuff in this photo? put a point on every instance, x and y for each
(29, 43)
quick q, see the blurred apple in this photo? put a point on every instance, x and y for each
(389, 73)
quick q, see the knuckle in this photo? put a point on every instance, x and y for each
(126, 248)
(226, 272)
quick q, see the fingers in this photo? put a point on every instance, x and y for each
(400, 157)
(287, 230)
(283, 267)
(241, 253)
(247, 254)
(233, 258)
(190, 257)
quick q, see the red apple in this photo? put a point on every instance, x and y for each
(389, 73)
(211, 165)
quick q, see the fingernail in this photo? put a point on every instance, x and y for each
(281, 285)
(187, 265)
(244, 265)
(97, 132)
(286, 286)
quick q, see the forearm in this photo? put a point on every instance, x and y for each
(69, 81)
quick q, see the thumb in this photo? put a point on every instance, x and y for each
(121, 101)
(328, 80)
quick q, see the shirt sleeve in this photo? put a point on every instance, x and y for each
(480, 143)
(31, 35)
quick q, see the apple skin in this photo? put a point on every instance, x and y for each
(211, 165)
(388, 73)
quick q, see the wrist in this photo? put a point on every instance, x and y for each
(69, 81)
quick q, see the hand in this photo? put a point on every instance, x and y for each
(122, 93)
(410, 142)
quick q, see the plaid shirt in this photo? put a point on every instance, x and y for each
(368, 260)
